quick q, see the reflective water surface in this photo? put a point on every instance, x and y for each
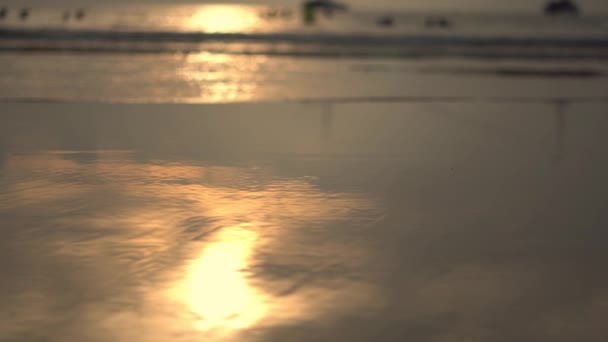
(167, 246)
(256, 223)
(232, 77)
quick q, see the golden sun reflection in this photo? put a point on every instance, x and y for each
(202, 243)
(217, 288)
(223, 19)
(224, 77)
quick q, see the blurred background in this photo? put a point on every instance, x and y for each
(198, 52)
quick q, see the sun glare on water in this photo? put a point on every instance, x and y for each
(224, 19)
(216, 288)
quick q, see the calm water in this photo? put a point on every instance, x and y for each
(205, 77)
(225, 173)
(227, 53)
(268, 222)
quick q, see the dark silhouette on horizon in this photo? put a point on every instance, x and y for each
(79, 14)
(25, 13)
(310, 8)
(386, 21)
(561, 7)
(439, 22)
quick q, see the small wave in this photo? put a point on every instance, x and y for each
(302, 44)
(341, 100)
(318, 38)
(523, 72)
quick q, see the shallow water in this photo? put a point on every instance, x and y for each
(268, 222)
(371, 192)
(209, 77)
(234, 53)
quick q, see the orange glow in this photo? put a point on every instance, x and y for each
(223, 77)
(218, 290)
(201, 276)
(223, 18)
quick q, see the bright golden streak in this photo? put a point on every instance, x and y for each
(223, 18)
(219, 292)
